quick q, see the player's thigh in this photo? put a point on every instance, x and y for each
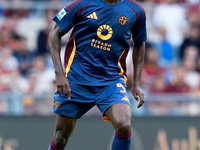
(65, 125)
(115, 105)
(119, 114)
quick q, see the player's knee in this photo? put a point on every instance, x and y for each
(60, 140)
(123, 128)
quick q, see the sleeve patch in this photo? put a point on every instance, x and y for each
(61, 14)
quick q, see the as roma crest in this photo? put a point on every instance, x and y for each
(56, 105)
(123, 20)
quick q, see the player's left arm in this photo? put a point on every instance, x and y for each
(139, 37)
(138, 61)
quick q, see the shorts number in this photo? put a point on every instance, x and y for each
(120, 85)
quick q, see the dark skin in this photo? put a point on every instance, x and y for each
(111, 1)
(138, 61)
(119, 114)
(55, 46)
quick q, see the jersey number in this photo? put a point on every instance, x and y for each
(120, 85)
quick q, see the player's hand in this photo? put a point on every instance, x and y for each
(63, 86)
(138, 94)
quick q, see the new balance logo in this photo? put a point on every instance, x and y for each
(125, 99)
(92, 16)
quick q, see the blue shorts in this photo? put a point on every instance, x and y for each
(83, 98)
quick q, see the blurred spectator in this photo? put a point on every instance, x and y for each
(10, 77)
(4, 83)
(189, 63)
(191, 52)
(8, 35)
(32, 81)
(10, 23)
(151, 69)
(160, 86)
(19, 84)
(9, 61)
(5, 36)
(193, 13)
(42, 39)
(192, 39)
(43, 76)
(169, 19)
(24, 56)
(177, 82)
(166, 54)
(7, 64)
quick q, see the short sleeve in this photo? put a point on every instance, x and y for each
(139, 28)
(66, 17)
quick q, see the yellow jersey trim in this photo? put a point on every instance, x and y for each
(71, 58)
(122, 71)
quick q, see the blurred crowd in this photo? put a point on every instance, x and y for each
(29, 68)
(172, 61)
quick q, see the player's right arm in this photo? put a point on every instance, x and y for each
(65, 20)
(62, 83)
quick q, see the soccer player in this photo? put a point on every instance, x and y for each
(95, 65)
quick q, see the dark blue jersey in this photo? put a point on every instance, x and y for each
(100, 40)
